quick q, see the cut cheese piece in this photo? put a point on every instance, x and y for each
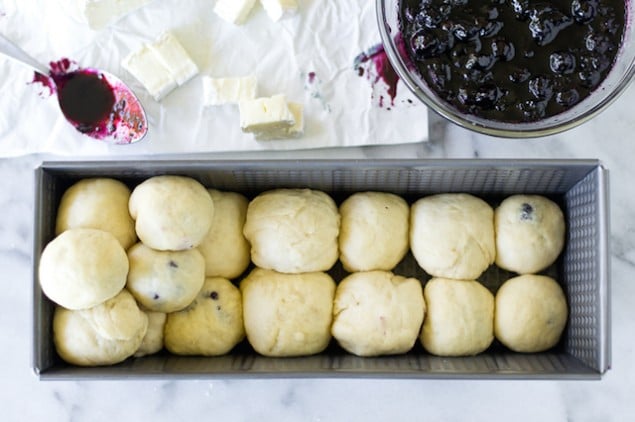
(219, 91)
(297, 129)
(279, 9)
(101, 13)
(174, 58)
(147, 68)
(267, 117)
(234, 11)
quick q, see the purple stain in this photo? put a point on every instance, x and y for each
(311, 77)
(375, 65)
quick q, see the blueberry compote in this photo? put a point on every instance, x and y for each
(513, 60)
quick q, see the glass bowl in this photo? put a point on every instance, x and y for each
(615, 82)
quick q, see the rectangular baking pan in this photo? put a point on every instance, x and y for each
(579, 186)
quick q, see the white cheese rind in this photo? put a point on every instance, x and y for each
(234, 11)
(266, 117)
(146, 67)
(101, 13)
(279, 9)
(173, 56)
(220, 91)
(294, 131)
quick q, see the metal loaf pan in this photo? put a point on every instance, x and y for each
(579, 186)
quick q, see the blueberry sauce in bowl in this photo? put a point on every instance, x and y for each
(512, 68)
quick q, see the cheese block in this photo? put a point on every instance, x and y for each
(267, 117)
(147, 68)
(279, 9)
(220, 91)
(297, 129)
(101, 13)
(234, 11)
(173, 57)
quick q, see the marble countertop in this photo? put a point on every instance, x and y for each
(608, 138)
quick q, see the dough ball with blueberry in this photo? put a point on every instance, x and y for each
(459, 318)
(287, 314)
(211, 325)
(102, 335)
(452, 235)
(530, 233)
(97, 203)
(225, 249)
(293, 230)
(531, 313)
(374, 231)
(377, 313)
(171, 212)
(165, 281)
(82, 268)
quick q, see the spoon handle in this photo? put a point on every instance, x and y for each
(12, 51)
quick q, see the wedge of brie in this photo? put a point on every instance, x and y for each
(101, 13)
(220, 91)
(174, 58)
(271, 118)
(234, 11)
(279, 9)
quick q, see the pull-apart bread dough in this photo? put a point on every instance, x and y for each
(452, 235)
(287, 314)
(102, 335)
(82, 268)
(377, 313)
(153, 340)
(97, 203)
(530, 233)
(374, 231)
(171, 212)
(293, 230)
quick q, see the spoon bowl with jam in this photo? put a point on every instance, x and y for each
(95, 102)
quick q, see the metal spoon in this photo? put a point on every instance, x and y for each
(95, 102)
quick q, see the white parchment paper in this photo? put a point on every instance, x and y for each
(310, 58)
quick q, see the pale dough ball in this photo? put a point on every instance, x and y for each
(102, 335)
(98, 203)
(82, 268)
(377, 313)
(459, 319)
(225, 249)
(530, 233)
(165, 281)
(293, 230)
(531, 313)
(211, 326)
(153, 340)
(287, 314)
(374, 231)
(452, 235)
(171, 212)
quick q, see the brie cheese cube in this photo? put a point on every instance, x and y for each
(266, 117)
(279, 9)
(173, 57)
(298, 127)
(234, 11)
(101, 13)
(146, 67)
(219, 91)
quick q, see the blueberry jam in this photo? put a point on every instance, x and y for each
(512, 60)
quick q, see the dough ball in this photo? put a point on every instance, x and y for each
(171, 212)
(530, 232)
(374, 231)
(293, 230)
(98, 203)
(212, 325)
(82, 268)
(459, 319)
(452, 235)
(165, 281)
(287, 314)
(531, 313)
(377, 313)
(225, 249)
(153, 340)
(102, 335)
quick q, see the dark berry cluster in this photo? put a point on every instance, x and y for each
(513, 60)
